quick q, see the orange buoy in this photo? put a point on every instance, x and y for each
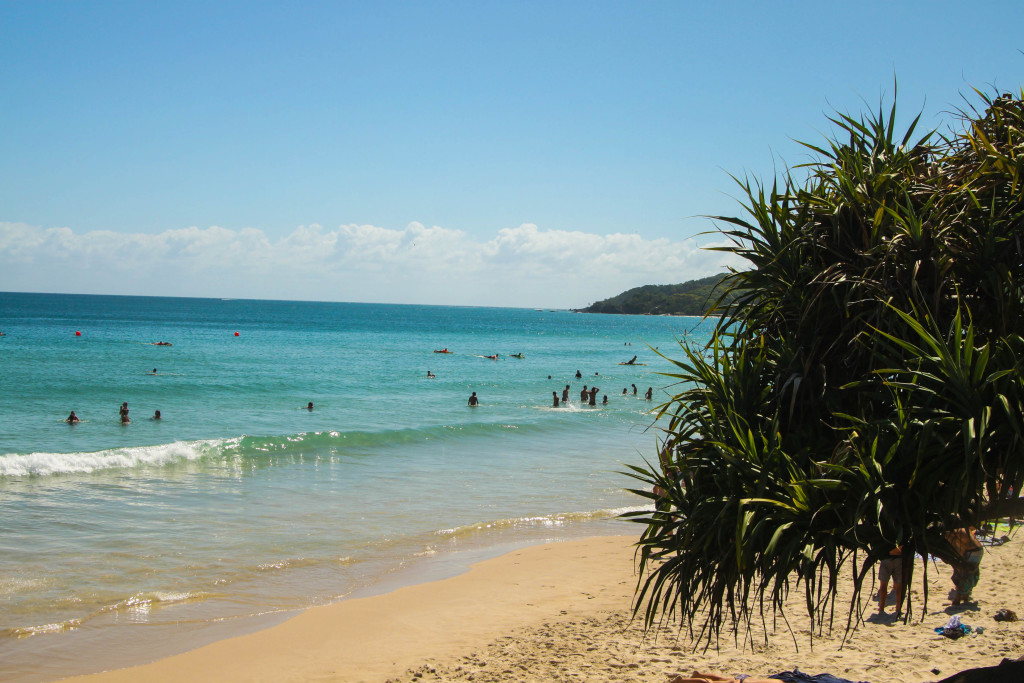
(236, 334)
(77, 333)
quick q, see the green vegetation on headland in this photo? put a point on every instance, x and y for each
(689, 298)
(865, 389)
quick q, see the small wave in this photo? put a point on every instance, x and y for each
(137, 607)
(145, 601)
(44, 464)
(320, 444)
(534, 521)
(29, 631)
(290, 563)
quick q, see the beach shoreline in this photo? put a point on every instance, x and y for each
(561, 611)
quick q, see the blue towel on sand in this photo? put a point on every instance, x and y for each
(795, 676)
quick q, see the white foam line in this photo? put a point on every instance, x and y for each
(44, 464)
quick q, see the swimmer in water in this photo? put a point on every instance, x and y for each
(309, 406)
(473, 400)
(154, 371)
(579, 375)
(72, 418)
(605, 401)
(156, 416)
(430, 375)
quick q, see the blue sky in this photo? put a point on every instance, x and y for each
(496, 153)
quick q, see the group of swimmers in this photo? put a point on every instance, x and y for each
(122, 411)
(588, 396)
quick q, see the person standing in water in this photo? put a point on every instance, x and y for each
(565, 394)
(634, 389)
(473, 400)
(554, 397)
(650, 393)
(593, 396)
(124, 413)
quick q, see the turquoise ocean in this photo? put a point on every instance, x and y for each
(123, 543)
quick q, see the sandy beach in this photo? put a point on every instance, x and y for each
(561, 612)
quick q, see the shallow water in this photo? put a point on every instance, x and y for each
(239, 502)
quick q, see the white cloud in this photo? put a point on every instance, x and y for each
(521, 266)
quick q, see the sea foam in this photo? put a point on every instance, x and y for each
(46, 464)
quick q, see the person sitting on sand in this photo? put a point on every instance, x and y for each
(72, 418)
(891, 567)
(473, 400)
(554, 397)
(699, 677)
(124, 413)
(156, 416)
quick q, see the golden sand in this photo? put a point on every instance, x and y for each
(561, 612)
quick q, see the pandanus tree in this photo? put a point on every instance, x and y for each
(863, 386)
